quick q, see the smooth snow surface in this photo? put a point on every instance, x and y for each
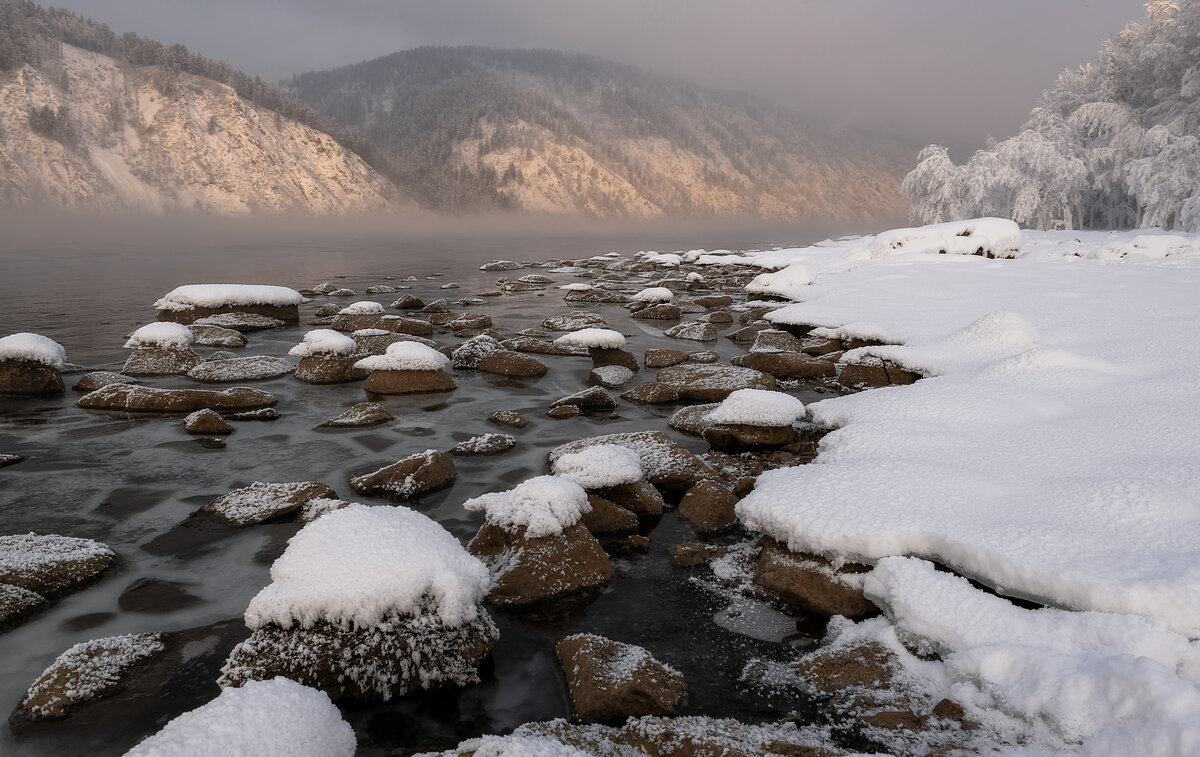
(325, 342)
(363, 307)
(275, 718)
(164, 335)
(995, 237)
(757, 407)
(544, 505)
(33, 347)
(601, 338)
(357, 565)
(654, 294)
(406, 356)
(191, 296)
(600, 466)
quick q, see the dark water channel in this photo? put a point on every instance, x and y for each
(130, 481)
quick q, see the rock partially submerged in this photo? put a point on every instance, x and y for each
(486, 444)
(408, 478)
(574, 321)
(509, 363)
(217, 336)
(260, 502)
(249, 368)
(7, 459)
(509, 418)
(407, 368)
(160, 361)
(787, 365)
(696, 331)
(812, 582)
(592, 398)
(330, 369)
(90, 382)
(610, 681)
(667, 465)
(361, 415)
(468, 354)
(144, 399)
(243, 321)
(31, 364)
(712, 383)
(187, 304)
(207, 422)
(35, 568)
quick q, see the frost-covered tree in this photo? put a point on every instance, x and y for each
(1115, 144)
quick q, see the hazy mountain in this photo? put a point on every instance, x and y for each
(548, 131)
(90, 119)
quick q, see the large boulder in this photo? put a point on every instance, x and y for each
(145, 399)
(408, 478)
(712, 383)
(260, 502)
(612, 681)
(188, 303)
(811, 582)
(409, 382)
(608, 518)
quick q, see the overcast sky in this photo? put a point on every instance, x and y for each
(949, 71)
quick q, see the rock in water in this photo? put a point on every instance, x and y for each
(409, 382)
(696, 331)
(505, 363)
(249, 368)
(667, 465)
(408, 478)
(709, 507)
(144, 399)
(487, 444)
(362, 415)
(244, 321)
(35, 568)
(611, 681)
(90, 382)
(31, 364)
(259, 502)
(217, 336)
(712, 383)
(592, 398)
(510, 418)
(206, 422)
(664, 358)
(330, 369)
(160, 361)
(811, 582)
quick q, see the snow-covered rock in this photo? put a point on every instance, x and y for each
(324, 342)
(31, 364)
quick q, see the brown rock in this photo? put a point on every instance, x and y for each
(747, 333)
(811, 582)
(549, 567)
(510, 418)
(787, 365)
(714, 301)
(948, 709)
(241, 321)
(637, 543)
(592, 398)
(206, 422)
(486, 444)
(90, 382)
(508, 363)
(562, 412)
(611, 681)
(708, 506)
(776, 340)
(408, 302)
(668, 466)
(816, 345)
(718, 316)
(867, 666)
(744, 436)
(409, 382)
(17, 605)
(712, 383)
(260, 502)
(707, 356)
(689, 554)
(875, 373)
(664, 358)
(217, 336)
(371, 343)
(51, 565)
(159, 361)
(608, 518)
(29, 377)
(639, 497)
(893, 720)
(602, 357)
(361, 415)
(408, 478)
(144, 399)
(538, 346)
(285, 313)
(660, 312)
(697, 331)
(652, 393)
(750, 315)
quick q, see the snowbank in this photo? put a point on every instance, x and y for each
(992, 237)
(363, 307)
(325, 342)
(33, 347)
(653, 294)
(757, 407)
(193, 296)
(780, 283)
(164, 335)
(605, 339)
(276, 718)
(544, 505)
(357, 565)
(600, 466)
(406, 356)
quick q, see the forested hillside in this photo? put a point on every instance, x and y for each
(1113, 145)
(544, 130)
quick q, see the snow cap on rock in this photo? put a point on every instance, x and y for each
(600, 466)
(324, 342)
(406, 356)
(599, 338)
(545, 505)
(757, 407)
(34, 348)
(192, 296)
(165, 335)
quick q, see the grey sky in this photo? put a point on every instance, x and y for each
(950, 71)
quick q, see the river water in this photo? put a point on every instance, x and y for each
(131, 481)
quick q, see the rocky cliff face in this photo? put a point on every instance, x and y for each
(83, 130)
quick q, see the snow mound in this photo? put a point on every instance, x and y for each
(544, 505)
(992, 237)
(600, 466)
(577, 287)
(757, 407)
(357, 565)
(605, 339)
(667, 259)
(34, 348)
(275, 718)
(363, 307)
(406, 356)
(654, 294)
(780, 283)
(193, 296)
(164, 335)
(1155, 246)
(326, 342)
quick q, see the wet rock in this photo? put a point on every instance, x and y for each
(7, 459)
(689, 554)
(84, 673)
(811, 582)
(464, 323)
(510, 418)
(408, 478)
(409, 382)
(486, 444)
(639, 497)
(151, 595)
(160, 361)
(89, 382)
(509, 363)
(697, 331)
(399, 656)
(244, 321)
(692, 419)
(216, 336)
(708, 506)
(563, 412)
(611, 376)
(574, 321)
(409, 302)
(325, 287)
(652, 393)
(605, 356)
(712, 383)
(541, 346)
(260, 502)
(527, 570)
(17, 605)
(714, 301)
(660, 312)
(787, 365)
(608, 518)
(468, 302)
(873, 373)
(637, 543)
(361, 415)
(667, 465)
(330, 369)
(144, 399)
(705, 357)
(250, 368)
(664, 358)
(468, 354)
(611, 681)
(206, 422)
(592, 398)
(535, 278)
(51, 565)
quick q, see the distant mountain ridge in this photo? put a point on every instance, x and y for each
(472, 127)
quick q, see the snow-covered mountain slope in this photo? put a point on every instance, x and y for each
(83, 130)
